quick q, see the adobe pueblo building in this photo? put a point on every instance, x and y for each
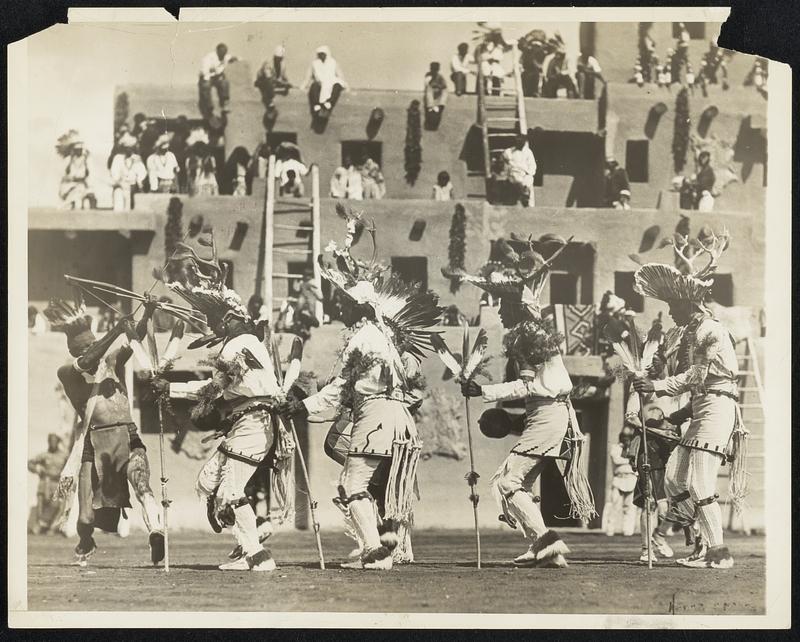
(571, 140)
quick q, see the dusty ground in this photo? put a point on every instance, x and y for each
(603, 577)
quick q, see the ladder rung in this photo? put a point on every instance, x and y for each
(512, 119)
(496, 151)
(286, 275)
(281, 226)
(283, 250)
(501, 134)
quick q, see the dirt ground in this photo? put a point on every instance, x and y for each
(603, 577)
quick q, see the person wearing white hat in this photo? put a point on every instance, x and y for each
(127, 173)
(271, 78)
(324, 82)
(162, 167)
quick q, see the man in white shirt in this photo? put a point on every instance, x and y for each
(460, 69)
(521, 169)
(212, 74)
(162, 168)
(324, 82)
(127, 173)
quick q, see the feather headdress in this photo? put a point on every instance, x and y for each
(201, 282)
(404, 309)
(516, 278)
(66, 317)
(667, 283)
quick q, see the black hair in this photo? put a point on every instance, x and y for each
(442, 179)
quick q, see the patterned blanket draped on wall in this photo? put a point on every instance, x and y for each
(577, 324)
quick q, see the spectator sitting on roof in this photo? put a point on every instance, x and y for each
(271, 78)
(355, 184)
(324, 83)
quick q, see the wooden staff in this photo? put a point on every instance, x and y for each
(292, 372)
(472, 476)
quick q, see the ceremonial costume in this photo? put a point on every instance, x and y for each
(384, 446)
(243, 392)
(108, 452)
(707, 368)
(551, 428)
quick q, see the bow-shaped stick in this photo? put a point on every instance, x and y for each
(464, 372)
(286, 383)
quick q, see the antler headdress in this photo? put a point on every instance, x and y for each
(201, 282)
(518, 278)
(403, 308)
(667, 283)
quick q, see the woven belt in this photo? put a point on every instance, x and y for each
(723, 393)
(227, 424)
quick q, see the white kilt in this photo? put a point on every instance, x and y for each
(377, 424)
(546, 425)
(713, 421)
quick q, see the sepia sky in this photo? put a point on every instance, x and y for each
(73, 70)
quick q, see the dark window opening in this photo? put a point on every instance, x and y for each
(229, 275)
(417, 230)
(697, 30)
(276, 138)
(563, 288)
(358, 151)
(722, 290)
(636, 160)
(293, 284)
(412, 269)
(623, 288)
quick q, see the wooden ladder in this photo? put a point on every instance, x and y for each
(288, 244)
(751, 402)
(500, 119)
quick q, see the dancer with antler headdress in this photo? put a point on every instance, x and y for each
(385, 340)
(108, 453)
(544, 384)
(708, 369)
(240, 399)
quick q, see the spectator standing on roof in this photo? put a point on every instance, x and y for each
(162, 168)
(587, 69)
(212, 75)
(127, 173)
(521, 166)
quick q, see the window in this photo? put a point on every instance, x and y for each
(623, 288)
(276, 138)
(227, 263)
(357, 151)
(697, 30)
(636, 160)
(412, 269)
(299, 268)
(563, 288)
(722, 290)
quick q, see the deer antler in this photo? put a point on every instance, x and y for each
(680, 243)
(714, 246)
